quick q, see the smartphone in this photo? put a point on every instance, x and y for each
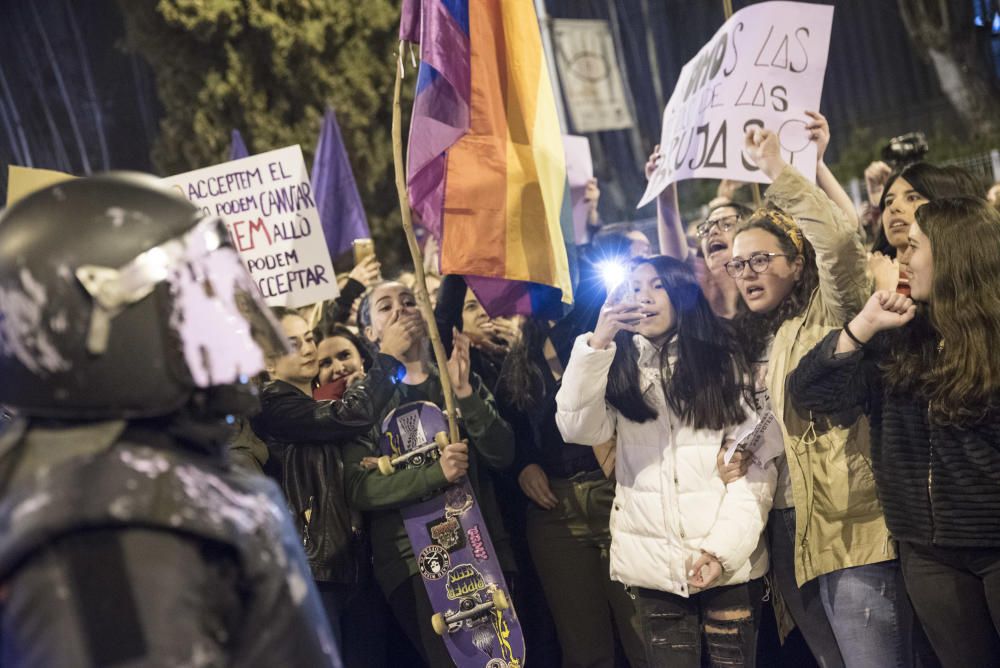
(363, 248)
(622, 294)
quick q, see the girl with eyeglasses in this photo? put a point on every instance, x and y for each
(715, 242)
(800, 269)
(715, 234)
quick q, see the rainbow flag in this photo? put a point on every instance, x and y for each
(486, 164)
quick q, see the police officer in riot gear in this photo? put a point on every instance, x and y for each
(128, 332)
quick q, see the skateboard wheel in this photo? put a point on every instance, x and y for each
(438, 624)
(500, 601)
(385, 466)
(441, 438)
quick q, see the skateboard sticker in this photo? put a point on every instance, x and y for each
(485, 642)
(457, 500)
(464, 580)
(406, 435)
(477, 545)
(503, 634)
(411, 432)
(433, 562)
(447, 532)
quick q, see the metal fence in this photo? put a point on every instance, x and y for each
(985, 167)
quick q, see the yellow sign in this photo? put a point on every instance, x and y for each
(22, 181)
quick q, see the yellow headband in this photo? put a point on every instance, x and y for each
(785, 222)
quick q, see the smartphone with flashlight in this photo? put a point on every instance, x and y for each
(363, 249)
(614, 274)
(621, 294)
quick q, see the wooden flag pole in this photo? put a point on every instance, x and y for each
(727, 8)
(423, 299)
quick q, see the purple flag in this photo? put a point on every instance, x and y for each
(337, 199)
(441, 102)
(237, 149)
(409, 24)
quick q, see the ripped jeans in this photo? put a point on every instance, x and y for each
(672, 626)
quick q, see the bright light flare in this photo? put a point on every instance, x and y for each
(612, 273)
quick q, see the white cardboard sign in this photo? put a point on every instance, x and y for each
(269, 208)
(763, 67)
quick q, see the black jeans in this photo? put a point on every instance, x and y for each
(412, 609)
(672, 626)
(569, 545)
(956, 593)
(360, 620)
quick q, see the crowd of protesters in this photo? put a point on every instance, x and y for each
(609, 452)
(788, 419)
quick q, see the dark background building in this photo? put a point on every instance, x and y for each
(73, 98)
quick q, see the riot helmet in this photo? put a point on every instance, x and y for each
(119, 299)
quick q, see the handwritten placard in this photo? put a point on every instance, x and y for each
(764, 67)
(269, 208)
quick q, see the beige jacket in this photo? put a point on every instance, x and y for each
(839, 521)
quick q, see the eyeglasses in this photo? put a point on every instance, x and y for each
(725, 224)
(758, 262)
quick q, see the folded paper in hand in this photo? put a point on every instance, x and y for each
(762, 438)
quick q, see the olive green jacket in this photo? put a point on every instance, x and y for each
(381, 497)
(839, 521)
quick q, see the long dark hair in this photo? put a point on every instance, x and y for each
(756, 328)
(932, 182)
(948, 355)
(521, 382)
(705, 385)
(364, 349)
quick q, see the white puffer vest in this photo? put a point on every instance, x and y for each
(670, 501)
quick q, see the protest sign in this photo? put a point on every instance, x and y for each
(579, 170)
(269, 208)
(764, 67)
(22, 181)
(591, 80)
(761, 437)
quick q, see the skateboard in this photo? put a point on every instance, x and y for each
(472, 607)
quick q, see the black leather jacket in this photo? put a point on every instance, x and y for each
(303, 438)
